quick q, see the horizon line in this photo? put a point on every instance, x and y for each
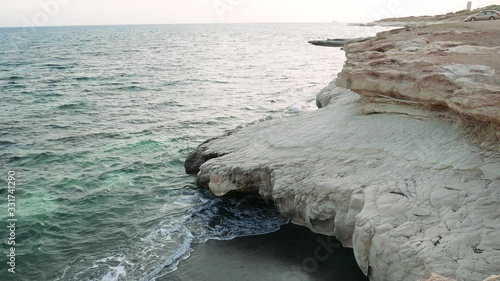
(176, 23)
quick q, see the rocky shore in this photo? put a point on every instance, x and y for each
(401, 163)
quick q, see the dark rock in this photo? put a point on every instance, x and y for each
(340, 42)
(199, 156)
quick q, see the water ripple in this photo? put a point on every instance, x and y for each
(96, 121)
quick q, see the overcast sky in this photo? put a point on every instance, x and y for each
(100, 12)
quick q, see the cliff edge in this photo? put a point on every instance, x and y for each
(454, 66)
(390, 168)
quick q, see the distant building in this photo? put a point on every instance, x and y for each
(469, 6)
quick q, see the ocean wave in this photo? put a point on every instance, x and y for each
(49, 94)
(59, 66)
(13, 78)
(14, 85)
(132, 88)
(72, 106)
(165, 104)
(86, 137)
(171, 260)
(194, 217)
(296, 108)
(43, 158)
(225, 219)
(84, 78)
(6, 143)
(57, 127)
(33, 159)
(209, 81)
(16, 63)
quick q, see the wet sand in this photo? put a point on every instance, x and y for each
(293, 253)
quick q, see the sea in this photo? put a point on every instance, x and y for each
(96, 122)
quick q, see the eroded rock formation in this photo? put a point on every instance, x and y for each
(454, 66)
(413, 191)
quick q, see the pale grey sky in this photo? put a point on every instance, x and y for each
(100, 12)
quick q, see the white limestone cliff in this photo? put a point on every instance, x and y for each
(413, 191)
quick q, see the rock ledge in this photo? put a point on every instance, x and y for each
(408, 188)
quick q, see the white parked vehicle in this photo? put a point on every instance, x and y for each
(484, 15)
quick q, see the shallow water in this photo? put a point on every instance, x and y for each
(97, 121)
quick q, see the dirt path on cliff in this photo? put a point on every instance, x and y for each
(484, 34)
(474, 34)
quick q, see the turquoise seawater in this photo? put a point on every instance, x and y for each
(97, 121)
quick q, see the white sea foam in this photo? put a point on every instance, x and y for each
(294, 108)
(159, 252)
(114, 273)
(175, 257)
